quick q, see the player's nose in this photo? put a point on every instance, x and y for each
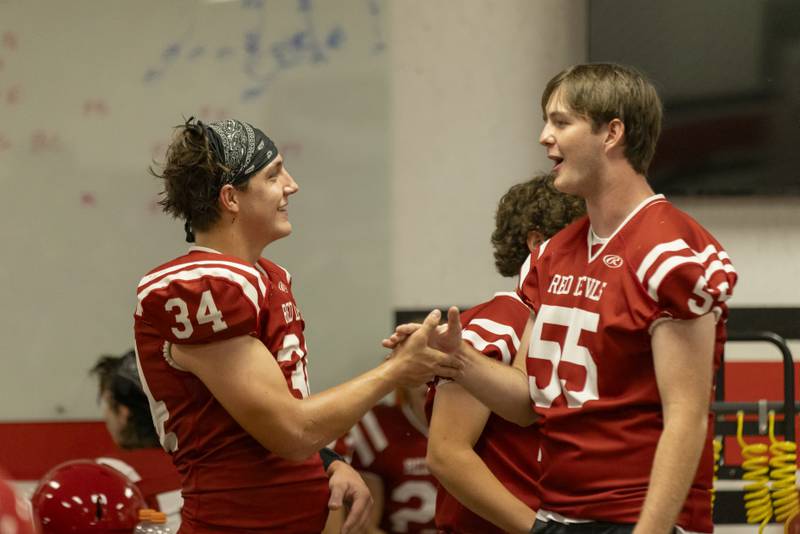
(546, 136)
(290, 187)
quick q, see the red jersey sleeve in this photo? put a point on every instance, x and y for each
(495, 327)
(195, 304)
(688, 279)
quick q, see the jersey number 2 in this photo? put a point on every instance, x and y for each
(420, 489)
(564, 347)
(207, 312)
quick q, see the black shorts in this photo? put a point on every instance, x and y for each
(594, 527)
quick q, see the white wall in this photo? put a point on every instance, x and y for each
(80, 226)
(466, 85)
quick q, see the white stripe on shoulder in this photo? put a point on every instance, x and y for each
(710, 258)
(499, 329)
(512, 294)
(658, 250)
(189, 265)
(666, 266)
(480, 344)
(195, 274)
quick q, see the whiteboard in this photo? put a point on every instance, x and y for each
(89, 92)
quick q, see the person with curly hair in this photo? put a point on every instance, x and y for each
(487, 467)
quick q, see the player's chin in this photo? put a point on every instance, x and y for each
(279, 232)
(560, 181)
(284, 228)
(565, 184)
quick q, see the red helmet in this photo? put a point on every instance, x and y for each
(15, 514)
(83, 496)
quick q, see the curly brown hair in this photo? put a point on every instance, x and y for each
(192, 178)
(533, 205)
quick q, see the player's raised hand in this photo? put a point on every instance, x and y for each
(414, 362)
(447, 337)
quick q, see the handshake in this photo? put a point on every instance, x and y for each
(421, 352)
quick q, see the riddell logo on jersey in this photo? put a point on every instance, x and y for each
(282, 286)
(612, 260)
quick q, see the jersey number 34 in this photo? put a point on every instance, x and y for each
(207, 312)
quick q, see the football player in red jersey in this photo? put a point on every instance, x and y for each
(630, 311)
(222, 356)
(127, 416)
(489, 467)
(388, 447)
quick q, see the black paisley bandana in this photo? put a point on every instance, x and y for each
(241, 147)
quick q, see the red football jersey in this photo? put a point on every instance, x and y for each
(390, 442)
(229, 480)
(590, 360)
(508, 450)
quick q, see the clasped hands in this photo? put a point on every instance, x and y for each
(423, 351)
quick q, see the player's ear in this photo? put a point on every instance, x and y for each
(533, 239)
(229, 199)
(615, 134)
(123, 412)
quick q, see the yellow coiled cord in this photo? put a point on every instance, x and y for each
(783, 472)
(717, 453)
(757, 501)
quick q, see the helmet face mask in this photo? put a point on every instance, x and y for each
(83, 496)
